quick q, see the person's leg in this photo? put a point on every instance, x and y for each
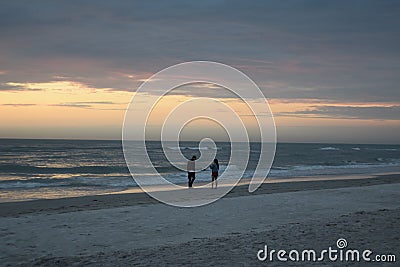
(214, 179)
(191, 178)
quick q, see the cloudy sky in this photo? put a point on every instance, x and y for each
(330, 69)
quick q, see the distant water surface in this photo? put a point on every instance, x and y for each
(31, 169)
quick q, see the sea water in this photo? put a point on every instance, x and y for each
(31, 169)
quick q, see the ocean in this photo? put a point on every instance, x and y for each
(35, 169)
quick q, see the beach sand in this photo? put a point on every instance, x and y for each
(130, 229)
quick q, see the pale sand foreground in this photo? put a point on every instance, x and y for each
(228, 232)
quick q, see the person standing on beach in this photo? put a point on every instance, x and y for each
(191, 171)
(214, 173)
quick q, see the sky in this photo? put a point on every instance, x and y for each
(329, 69)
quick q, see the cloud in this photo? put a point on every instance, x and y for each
(93, 104)
(58, 84)
(71, 105)
(19, 105)
(10, 86)
(348, 112)
(84, 104)
(332, 51)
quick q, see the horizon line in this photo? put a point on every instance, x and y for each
(153, 140)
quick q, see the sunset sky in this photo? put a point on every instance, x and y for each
(329, 69)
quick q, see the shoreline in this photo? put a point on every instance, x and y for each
(138, 197)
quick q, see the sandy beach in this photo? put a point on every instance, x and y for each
(133, 229)
(200, 133)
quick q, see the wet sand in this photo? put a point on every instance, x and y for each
(62, 205)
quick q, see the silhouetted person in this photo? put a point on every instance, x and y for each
(191, 166)
(214, 173)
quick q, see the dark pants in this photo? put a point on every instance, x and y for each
(191, 178)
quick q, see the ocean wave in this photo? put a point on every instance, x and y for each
(328, 148)
(57, 149)
(121, 181)
(191, 148)
(126, 181)
(95, 169)
(383, 149)
(349, 165)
